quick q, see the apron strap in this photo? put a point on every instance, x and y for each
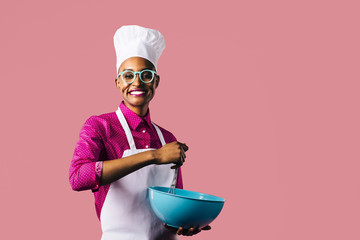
(159, 134)
(126, 128)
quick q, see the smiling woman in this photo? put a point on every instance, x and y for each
(120, 154)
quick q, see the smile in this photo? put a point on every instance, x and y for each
(137, 92)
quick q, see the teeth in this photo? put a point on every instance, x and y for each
(137, 92)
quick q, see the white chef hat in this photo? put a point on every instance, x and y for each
(136, 41)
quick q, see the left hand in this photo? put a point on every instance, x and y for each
(186, 232)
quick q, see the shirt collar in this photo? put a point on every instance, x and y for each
(133, 119)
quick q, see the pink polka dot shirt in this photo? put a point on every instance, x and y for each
(102, 138)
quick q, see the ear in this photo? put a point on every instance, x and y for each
(117, 83)
(157, 81)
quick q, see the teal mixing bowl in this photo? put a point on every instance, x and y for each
(185, 208)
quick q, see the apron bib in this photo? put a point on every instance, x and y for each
(126, 213)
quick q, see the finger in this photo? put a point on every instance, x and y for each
(206, 228)
(185, 147)
(179, 231)
(195, 231)
(180, 162)
(183, 156)
(176, 166)
(190, 232)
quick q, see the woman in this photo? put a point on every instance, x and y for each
(120, 154)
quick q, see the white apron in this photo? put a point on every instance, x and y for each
(126, 213)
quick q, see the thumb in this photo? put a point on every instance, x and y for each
(206, 228)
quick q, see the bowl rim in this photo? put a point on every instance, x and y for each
(152, 188)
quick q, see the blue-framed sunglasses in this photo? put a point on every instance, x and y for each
(146, 76)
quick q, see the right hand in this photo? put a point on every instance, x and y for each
(173, 152)
(186, 232)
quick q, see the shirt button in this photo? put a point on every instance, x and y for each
(143, 131)
(147, 146)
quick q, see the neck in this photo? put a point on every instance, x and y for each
(138, 110)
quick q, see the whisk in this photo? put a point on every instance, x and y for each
(172, 189)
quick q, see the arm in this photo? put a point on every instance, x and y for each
(118, 168)
(115, 169)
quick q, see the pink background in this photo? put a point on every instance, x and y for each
(265, 93)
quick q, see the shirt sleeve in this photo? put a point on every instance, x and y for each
(85, 170)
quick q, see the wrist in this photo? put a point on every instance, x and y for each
(154, 156)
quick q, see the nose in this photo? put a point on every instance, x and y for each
(137, 81)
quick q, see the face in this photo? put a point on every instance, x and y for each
(137, 94)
